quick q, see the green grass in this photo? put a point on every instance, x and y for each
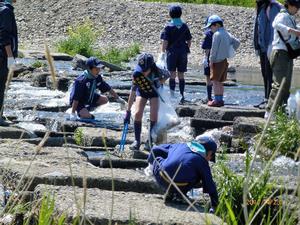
(38, 64)
(245, 3)
(81, 40)
(283, 134)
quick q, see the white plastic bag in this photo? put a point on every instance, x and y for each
(167, 116)
(297, 96)
(162, 61)
(292, 106)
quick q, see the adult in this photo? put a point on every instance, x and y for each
(285, 30)
(146, 79)
(8, 47)
(187, 164)
(266, 11)
(176, 43)
(83, 97)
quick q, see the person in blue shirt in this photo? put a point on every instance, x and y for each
(266, 12)
(146, 79)
(206, 46)
(189, 162)
(176, 43)
(83, 97)
(8, 47)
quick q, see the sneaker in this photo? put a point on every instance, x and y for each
(3, 123)
(261, 105)
(215, 103)
(135, 146)
(182, 101)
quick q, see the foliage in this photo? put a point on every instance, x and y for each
(78, 136)
(118, 55)
(230, 189)
(80, 40)
(283, 134)
(38, 64)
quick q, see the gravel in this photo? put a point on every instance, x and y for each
(125, 21)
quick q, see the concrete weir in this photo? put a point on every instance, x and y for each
(65, 167)
(127, 207)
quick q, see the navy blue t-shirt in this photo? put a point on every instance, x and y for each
(193, 167)
(82, 87)
(176, 37)
(207, 42)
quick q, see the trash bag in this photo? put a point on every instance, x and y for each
(167, 116)
(162, 61)
(297, 97)
(292, 106)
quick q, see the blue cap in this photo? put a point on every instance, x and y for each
(213, 19)
(209, 144)
(175, 11)
(93, 62)
(145, 61)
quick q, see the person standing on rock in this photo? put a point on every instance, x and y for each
(176, 42)
(206, 46)
(267, 10)
(223, 46)
(146, 79)
(187, 164)
(8, 47)
(83, 97)
(285, 30)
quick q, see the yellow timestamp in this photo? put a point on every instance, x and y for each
(265, 201)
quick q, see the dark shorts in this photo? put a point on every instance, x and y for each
(89, 107)
(177, 61)
(146, 95)
(219, 71)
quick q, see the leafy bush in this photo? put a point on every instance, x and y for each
(284, 134)
(80, 40)
(117, 56)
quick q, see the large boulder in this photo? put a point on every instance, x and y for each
(226, 113)
(39, 79)
(247, 125)
(63, 83)
(15, 133)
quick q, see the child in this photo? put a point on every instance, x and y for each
(221, 49)
(147, 77)
(206, 46)
(83, 97)
(176, 43)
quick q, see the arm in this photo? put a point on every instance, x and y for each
(74, 106)
(9, 51)
(235, 42)
(113, 93)
(214, 47)
(131, 98)
(164, 45)
(159, 151)
(285, 30)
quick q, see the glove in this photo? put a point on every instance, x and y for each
(121, 101)
(10, 62)
(73, 117)
(127, 117)
(212, 210)
(163, 56)
(205, 62)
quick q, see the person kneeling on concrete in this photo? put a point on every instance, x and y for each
(83, 97)
(187, 164)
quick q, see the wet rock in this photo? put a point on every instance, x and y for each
(186, 110)
(63, 83)
(125, 203)
(200, 125)
(41, 55)
(52, 166)
(115, 162)
(247, 125)
(39, 107)
(15, 133)
(79, 62)
(203, 83)
(227, 113)
(102, 137)
(21, 70)
(39, 79)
